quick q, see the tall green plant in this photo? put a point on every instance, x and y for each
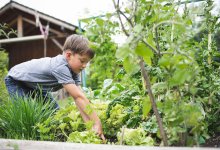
(19, 117)
(161, 44)
(5, 32)
(209, 84)
(3, 72)
(104, 65)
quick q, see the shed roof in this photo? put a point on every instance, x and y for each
(15, 5)
(29, 21)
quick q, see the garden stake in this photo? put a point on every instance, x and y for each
(148, 87)
(122, 135)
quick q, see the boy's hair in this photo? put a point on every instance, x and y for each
(78, 45)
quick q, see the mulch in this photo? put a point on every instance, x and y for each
(213, 141)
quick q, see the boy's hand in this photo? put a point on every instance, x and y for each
(98, 129)
(103, 138)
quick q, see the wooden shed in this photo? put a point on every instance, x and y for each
(38, 34)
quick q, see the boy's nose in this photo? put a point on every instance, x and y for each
(84, 65)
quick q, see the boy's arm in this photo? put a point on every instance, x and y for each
(81, 102)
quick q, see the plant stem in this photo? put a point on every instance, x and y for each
(122, 135)
(150, 93)
(209, 46)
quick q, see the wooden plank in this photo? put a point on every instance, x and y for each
(12, 22)
(50, 29)
(57, 44)
(20, 26)
(44, 145)
(21, 39)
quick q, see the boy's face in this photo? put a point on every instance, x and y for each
(77, 62)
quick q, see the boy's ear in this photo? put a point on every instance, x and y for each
(68, 54)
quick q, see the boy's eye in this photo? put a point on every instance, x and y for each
(82, 61)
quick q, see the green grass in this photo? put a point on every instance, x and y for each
(19, 117)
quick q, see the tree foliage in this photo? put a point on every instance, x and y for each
(104, 65)
(183, 76)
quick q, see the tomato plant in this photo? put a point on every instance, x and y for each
(177, 71)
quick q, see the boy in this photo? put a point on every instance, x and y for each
(51, 74)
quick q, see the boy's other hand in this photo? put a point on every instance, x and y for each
(103, 138)
(98, 129)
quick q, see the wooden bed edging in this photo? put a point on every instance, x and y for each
(9, 144)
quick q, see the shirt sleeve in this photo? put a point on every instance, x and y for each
(63, 75)
(77, 80)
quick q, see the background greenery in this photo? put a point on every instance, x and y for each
(180, 56)
(3, 72)
(177, 53)
(5, 32)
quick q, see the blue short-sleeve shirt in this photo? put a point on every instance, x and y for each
(50, 73)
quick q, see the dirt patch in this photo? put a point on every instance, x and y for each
(213, 141)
